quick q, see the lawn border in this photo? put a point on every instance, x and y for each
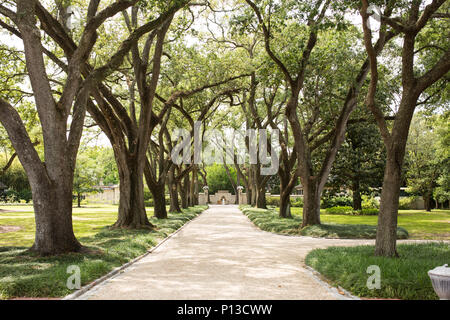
(112, 273)
(309, 236)
(321, 279)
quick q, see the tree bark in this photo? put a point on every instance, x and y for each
(249, 196)
(183, 196)
(159, 199)
(427, 202)
(261, 198)
(260, 191)
(53, 211)
(193, 188)
(285, 205)
(196, 191)
(132, 214)
(190, 191)
(386, 242)
(311, 202)
(184, 192)
(287, 184)
(173, 192)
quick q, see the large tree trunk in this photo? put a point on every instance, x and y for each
(254, 193)
(357, 202)
(157, 188)
(159, 200)
(184, 192)
(252, 185)
(285, 205)
(261, 196)
(183, 196)
(187, 188)
(261, 199)
(249, 195)
(285, 195)
(174, 204)
(193, 195)
(386, 242)
(196, 191)
(53, 211)
(173, 192)
(260, 188)
(132, 212)
(311, 203)
(427, 202)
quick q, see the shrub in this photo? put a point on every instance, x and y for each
(406, 203)
(25, 195)
(369, 202)
(328, 202)
(340, 210)
(10, 196)
(347, 210)
(369, 212)
(273, 201)
(147, 195)
(297, 202)
(150, 202)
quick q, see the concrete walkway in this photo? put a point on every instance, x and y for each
(222, 255)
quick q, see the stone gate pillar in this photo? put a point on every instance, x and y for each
(205, 189)
(240, 188)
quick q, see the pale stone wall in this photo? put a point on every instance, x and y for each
(243, 198)
(419, 204)
(110, 195)
(222, 197)
(202, 199)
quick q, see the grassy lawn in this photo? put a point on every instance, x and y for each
(401, 278)
(434, 225)
(24, 275)
(269, 220)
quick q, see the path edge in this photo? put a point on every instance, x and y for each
(112, 273)
(334, 290)
(316, 275)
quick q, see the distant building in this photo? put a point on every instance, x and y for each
(107, 195)
(299, 190)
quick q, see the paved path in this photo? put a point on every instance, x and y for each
(222, 255)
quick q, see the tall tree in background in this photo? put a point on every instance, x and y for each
(424, 160)
(442, 191)
(360, 163)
